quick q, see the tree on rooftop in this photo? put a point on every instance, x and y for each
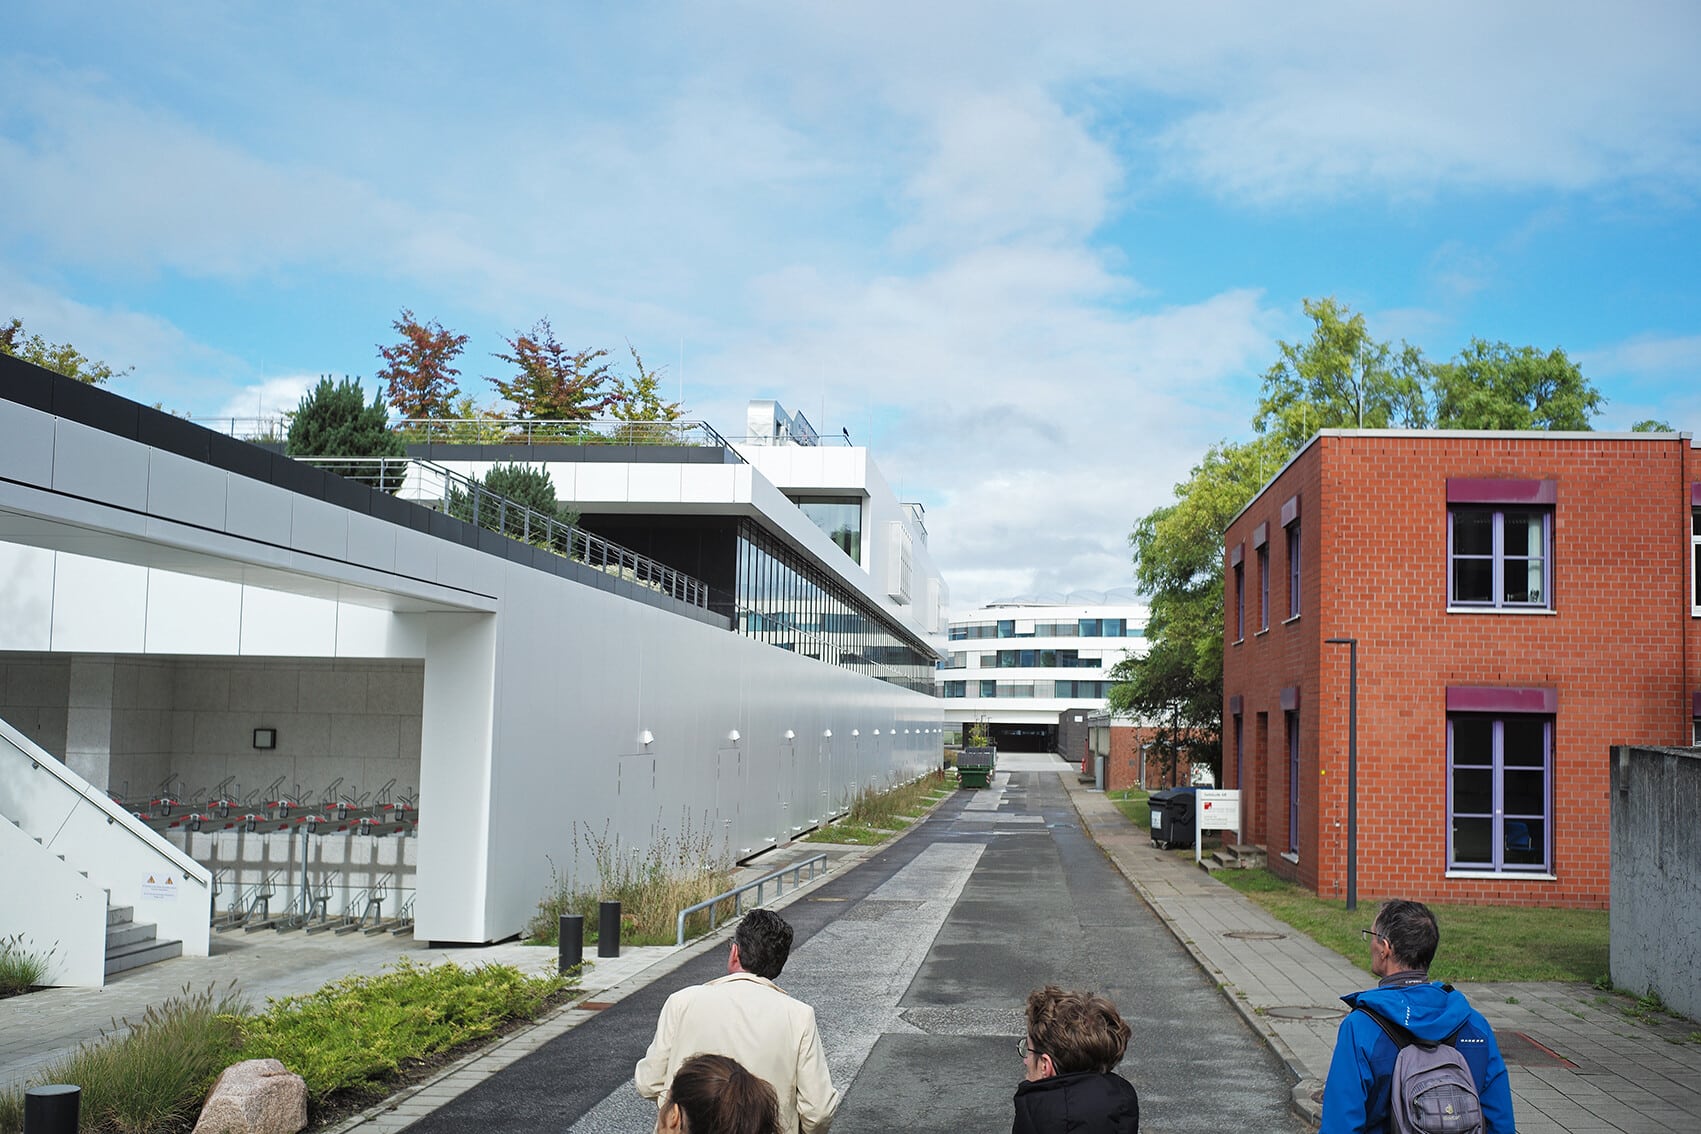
(61, 358)
(419, 376)
(553, 383)
(334, 420)
(640, 400)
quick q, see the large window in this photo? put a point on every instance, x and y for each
(1500, 558)
(1500, 792)
(840, 517)
(1293, 569)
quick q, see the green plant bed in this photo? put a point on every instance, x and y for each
(1478, 943)
(22, 968)
(849, 833)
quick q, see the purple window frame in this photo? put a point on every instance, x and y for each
(1293, 569)
(1498, 558)
(1695, 548)
(1239, 748)
(1293, 780)
(1499, 821)
(1264, 587)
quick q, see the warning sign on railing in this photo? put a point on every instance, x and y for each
(160, 888)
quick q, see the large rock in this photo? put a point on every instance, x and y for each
(258, 1096)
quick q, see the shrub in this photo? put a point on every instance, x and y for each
(531, 488)
(334, 420)
(151, 1077)
(357, 1033)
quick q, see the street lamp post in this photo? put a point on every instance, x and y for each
(1352, 766)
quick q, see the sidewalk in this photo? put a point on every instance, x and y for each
(1578, 1063)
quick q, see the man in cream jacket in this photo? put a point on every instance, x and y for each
(744, 1015)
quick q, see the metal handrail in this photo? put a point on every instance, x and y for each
(428, 483)
(523, 431)
(757, 885)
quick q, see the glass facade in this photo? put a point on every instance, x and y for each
(840, 517)
(1080, 628)
(993, 690)
(787, 602)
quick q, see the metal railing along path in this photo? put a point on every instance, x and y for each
(737, 892)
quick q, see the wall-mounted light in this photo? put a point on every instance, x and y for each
(828, 734)
(876, 732)
(856, 732)
(733, 735)
(790, 735)
(265, 738)
(646, 737)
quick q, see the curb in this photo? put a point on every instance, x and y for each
(1306, 1087)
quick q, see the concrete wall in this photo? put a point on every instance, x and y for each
(1656, 873)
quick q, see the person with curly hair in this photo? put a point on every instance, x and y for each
(1069, 1084)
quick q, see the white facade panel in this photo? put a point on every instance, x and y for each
(99, 466)
(26, 597)
(279, 624)
(26, 445)
(99, 606)
(185, 490)
(372, 542)
(258, 511)
(191, 615)
(318, 528)
(597, 481)
(660, 484)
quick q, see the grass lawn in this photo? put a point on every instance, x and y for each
(1504, 943)
(1132, 803)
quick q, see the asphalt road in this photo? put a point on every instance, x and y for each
(917, 964)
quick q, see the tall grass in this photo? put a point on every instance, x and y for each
(152, 1077)
(21, 968)
(876, 812)
(651, 885)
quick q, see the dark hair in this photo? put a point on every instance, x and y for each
(716, 1095)
(1081, 1031)
(764, 943)
(1411, 931)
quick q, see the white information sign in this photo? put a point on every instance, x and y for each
(160, 887)
(1214, 809)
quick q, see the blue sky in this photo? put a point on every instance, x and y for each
(1037, 256)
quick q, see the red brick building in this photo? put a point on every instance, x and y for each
(1521, 602)
(1125, 746)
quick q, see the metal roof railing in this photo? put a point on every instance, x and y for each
(442, 489)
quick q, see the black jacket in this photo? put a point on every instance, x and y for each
(1085, 1102)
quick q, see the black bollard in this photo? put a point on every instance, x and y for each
(572, 941)
(608, 929)
(52, 1109)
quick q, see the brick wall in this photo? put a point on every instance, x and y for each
(1620, 649)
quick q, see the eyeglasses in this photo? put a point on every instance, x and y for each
(1025, 1049)
(1372, 935)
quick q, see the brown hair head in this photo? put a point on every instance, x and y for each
(1079, 1030)
(716, 1095)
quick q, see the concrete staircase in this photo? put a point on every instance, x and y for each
(1235, 856)
(131, 944)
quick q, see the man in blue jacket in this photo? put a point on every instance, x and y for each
(1402, 945)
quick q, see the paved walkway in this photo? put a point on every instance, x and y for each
(1579, 1063)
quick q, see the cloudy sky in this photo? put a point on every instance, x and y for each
(1037, 256)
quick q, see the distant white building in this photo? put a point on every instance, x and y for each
(1028, 667)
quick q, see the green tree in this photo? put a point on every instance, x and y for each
(1340, 378)
(334, 420)
(505, 485)
(418, 375)
(639, 400)
(1495, 386)
(553, 383)
(61, 358)
(1653, 425)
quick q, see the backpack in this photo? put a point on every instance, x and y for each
(1432, 1091)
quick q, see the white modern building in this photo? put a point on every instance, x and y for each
(225, 674)
(1033, 668)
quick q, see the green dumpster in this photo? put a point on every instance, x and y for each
(974, 766)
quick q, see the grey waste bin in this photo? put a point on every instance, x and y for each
(1172, 816)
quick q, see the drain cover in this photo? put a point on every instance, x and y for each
(1305, 1012)
(1255, 935)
